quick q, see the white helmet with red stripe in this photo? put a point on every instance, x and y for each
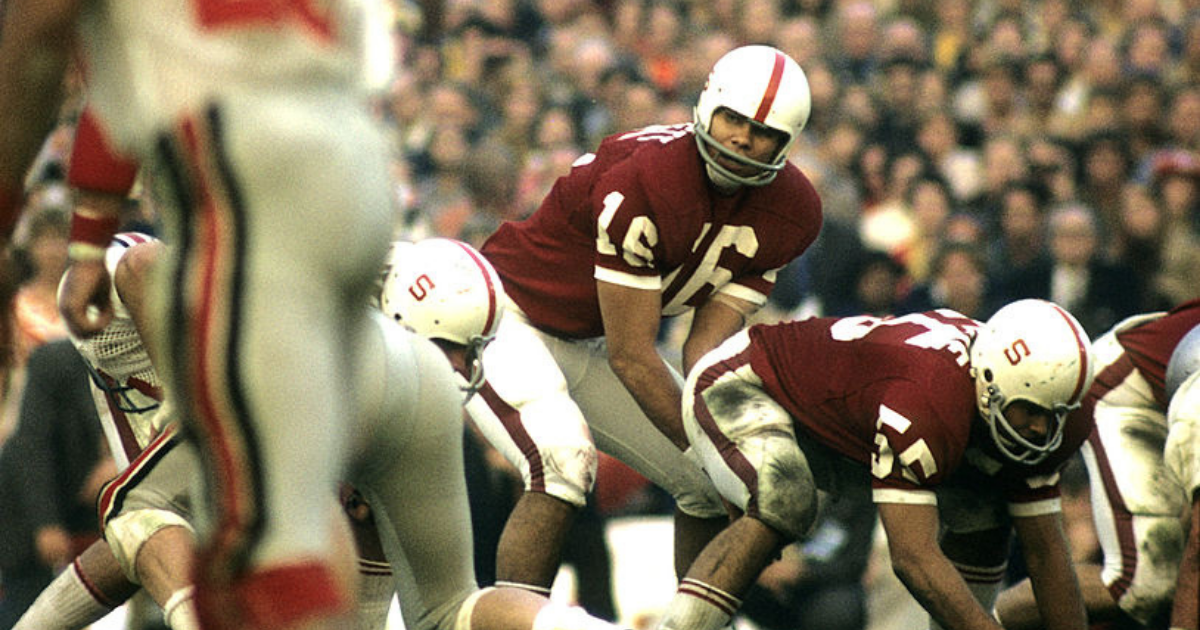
(441, 288)
(1030, 350)
(764, 85)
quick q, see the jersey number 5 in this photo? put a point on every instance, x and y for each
(918, 452)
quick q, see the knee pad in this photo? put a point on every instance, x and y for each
(784, 494)
(568, 472)
(787, 497)
(127, 533)
(1151, 588)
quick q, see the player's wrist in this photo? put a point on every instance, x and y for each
(91, 232)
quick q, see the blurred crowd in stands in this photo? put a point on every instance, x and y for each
(967, 153)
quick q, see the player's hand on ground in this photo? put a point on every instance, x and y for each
(84, 298)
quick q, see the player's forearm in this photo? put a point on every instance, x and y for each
(936, 585)
(656, 391)
(1051, 572)
(712, 324)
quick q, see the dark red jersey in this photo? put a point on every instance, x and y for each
(893, 394)
(1150, 345)
(897, 395)
(641, 212)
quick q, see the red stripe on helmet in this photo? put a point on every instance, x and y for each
(487, 280)
(1083, 353)
(768, 99)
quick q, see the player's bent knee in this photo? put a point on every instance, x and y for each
(787, 492)
(570, 472)
(128, 532)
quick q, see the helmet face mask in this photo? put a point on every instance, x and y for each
(444, 289)
(1031, 351)
(1008, 439)
(764, 86)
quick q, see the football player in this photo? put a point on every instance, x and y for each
(657, 222)
(410, 429)
(445, 291)
(1136, 505)
(934, 412)
(146, 510)
(258, 111)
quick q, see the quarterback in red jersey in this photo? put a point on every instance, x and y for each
(943, 416)
(657, 222)
(1136, 501)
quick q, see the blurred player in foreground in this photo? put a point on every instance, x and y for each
(258, 113)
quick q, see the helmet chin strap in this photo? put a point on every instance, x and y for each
(475, 361)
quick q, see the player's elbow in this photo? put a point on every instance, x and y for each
(626, 362)
(906, 565)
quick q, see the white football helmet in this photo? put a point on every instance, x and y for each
(764, 85)
(1030, 350)
(445, 289)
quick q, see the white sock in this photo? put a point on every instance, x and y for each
(699, 606)
(375, 590)
(66, 603)
(180, 610)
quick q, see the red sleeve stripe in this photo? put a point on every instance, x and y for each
(487, 280)
(1083, 353)
(768, 99)
(129, 239)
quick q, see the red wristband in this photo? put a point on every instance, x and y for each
(95, 165)
(90, 235)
